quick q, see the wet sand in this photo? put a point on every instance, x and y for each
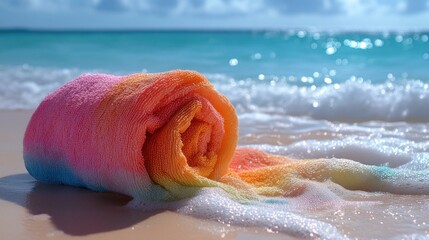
(32, 210)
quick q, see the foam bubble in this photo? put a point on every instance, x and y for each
(214, 204)
(396, 144)
(379, 151)
(25, 86)
(413, 236)
(350, 101)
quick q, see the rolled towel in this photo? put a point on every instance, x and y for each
(163, 136)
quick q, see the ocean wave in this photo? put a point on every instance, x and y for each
(392, 152)
(25, 86)
(354, 100)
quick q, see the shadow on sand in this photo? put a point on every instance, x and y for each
(75, 211)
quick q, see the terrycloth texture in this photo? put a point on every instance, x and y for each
(163, 136)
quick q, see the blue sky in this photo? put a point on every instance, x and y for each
(216, 14)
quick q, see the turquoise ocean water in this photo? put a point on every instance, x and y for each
(292, 54)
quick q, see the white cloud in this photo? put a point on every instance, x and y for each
(328, 14)
(48, 5)
(221, 7)
(364, 7)
(227, 7)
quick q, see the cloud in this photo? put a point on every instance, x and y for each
(163, 7)
(226, 7)
(304, 6)
(416, 6)
(146, 6)
(216, 14)
(111, 6)
(47, 5)
(261, 7)
(382, 7)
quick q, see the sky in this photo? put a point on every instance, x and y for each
(401, 15)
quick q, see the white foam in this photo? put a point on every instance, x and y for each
(394, 144)
(25, 86)
(296, 127)
(379, 152)
(354, 100)
(214, 204)
(413, 236)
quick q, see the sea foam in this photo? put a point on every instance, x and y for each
(23, 87)
(274, 214)
(394, 144)
(353, 100)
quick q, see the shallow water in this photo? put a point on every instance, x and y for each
(367, 215)
(401, 145)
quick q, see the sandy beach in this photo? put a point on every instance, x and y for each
(32, 210)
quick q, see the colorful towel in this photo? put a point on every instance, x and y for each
(164, 136)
